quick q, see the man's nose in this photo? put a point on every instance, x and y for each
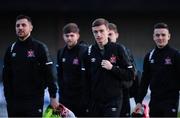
(160, 36)
(68, 38)
(20, 27)
(98, 34)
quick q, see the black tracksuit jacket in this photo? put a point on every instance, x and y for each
(105, 85)
(69, 73)
(27, 71)
(161, 71)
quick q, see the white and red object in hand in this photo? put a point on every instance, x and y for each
(142, 111)
(65, 112)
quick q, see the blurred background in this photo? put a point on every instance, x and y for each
(134, 18)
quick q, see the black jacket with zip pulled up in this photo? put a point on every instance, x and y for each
(27, 71)
(161, 71)
(105, 85)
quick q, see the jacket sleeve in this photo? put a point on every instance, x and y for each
(124, 70)
(59, 72)
(137, 76)
(177, 66)
(145, 80)
(7, 76)
(86, 76)
(49, 70)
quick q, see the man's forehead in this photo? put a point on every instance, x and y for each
(99, 27)
(71, 33)
(111, 31)
(22, 21)
(161, 30)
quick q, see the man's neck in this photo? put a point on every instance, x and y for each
(161, 47)
(101, 45)
(24, 38)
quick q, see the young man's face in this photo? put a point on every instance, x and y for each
(23, 28)
(113, 36)
(161, 37)
(71, 39)
(100, 34)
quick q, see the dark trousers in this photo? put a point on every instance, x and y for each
(125, 110)
(23, 109)
(110, 108)
(167, 108)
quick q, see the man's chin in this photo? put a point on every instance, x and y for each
(21, 37)
(100, 43)
(161, 46)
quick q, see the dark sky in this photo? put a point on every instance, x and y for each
(91, 5)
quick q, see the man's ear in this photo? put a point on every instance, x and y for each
(31, 26)
(117, 35)
(78, 35)
(169, 36)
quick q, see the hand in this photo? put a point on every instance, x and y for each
(138, 108)
(106, 64)
(54, 103)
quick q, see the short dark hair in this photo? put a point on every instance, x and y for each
(113, 27)
(71, 27)
(24, 17)
(161, 25)
(100, 21)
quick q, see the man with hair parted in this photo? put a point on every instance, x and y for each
(107, 66)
